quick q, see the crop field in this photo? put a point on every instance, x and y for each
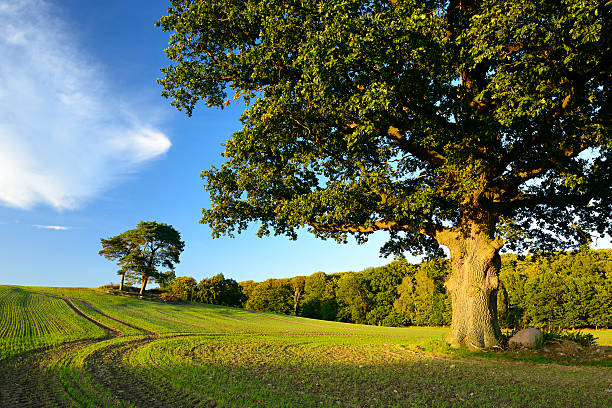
(83, 347)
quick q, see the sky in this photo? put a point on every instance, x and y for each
(88, 148)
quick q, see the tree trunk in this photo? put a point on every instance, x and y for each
(145, 279)
(296, 300)
(472, 286)
(121, 283)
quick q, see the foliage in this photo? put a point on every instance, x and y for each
(584, 339)
(558, 290)
(422, 298)
(319, 299)
(218, 290)
(550, 290)
(272, 295)
(247, 288)
(406, 117)
(297, 284)
(354, 298)
(143, 250)
(183, 287)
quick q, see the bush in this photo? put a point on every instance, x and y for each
(584, 339)
(169, 297)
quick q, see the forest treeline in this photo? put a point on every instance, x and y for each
(555, 290)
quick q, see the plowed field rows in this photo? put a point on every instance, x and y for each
(81, 347)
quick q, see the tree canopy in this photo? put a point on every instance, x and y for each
(143, 250)
(552, 291)
(469, 124)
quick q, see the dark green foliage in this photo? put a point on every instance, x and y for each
(550, 290)
(412, 117)
(143, 250)
(383, 283)
(247, 288)
(422, 298)
(219, 291)
(319, 299)
(354, 297)
(183, 287)
(558, 290)
(273, 295)
(584, 339)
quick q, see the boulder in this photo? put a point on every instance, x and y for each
(530, 338)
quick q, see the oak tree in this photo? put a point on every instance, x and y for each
(471, 124)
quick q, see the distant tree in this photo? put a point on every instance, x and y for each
(218, 290)
(383, 282)
(118, 248)
(404, 305)
(319, 298)
(329, 303)
(143, 250)
(209, 289)
(422, 298)
(431, 304)
(297, 284)
(272, 295)
(183, 287)
(354, 297)
(247, 288)
(314, 290)
(232, 294)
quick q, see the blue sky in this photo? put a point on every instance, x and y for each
(88, 148)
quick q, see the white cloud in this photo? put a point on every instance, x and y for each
(64, 134)
(52, 227)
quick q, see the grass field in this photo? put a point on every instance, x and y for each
(82, 347)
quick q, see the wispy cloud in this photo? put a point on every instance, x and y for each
(64, 135)
(52, 227)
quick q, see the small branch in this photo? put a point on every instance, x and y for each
(556, 200)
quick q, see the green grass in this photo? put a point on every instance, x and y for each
(131, 353)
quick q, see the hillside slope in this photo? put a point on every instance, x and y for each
(82, 347)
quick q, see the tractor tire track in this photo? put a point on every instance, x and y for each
(25, 382)
(106, 366)
(112, 331)
(96, 310)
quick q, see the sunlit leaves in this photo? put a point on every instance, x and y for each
(408, 113)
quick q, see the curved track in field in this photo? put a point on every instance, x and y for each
(43, 378)
(130, 366)
(87, 372)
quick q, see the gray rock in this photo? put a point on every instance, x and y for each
(530, 338)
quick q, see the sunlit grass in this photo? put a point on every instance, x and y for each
(146, 353)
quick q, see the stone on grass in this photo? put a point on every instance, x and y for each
(530, 338)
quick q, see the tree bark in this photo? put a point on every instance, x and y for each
(121, 283)
(296, 300)
(473, 285)
(145, 279)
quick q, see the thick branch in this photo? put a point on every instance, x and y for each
(429, 229)
(429, 155)
(555, 159)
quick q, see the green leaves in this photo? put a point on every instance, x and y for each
(144, 249)
(409, 117)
